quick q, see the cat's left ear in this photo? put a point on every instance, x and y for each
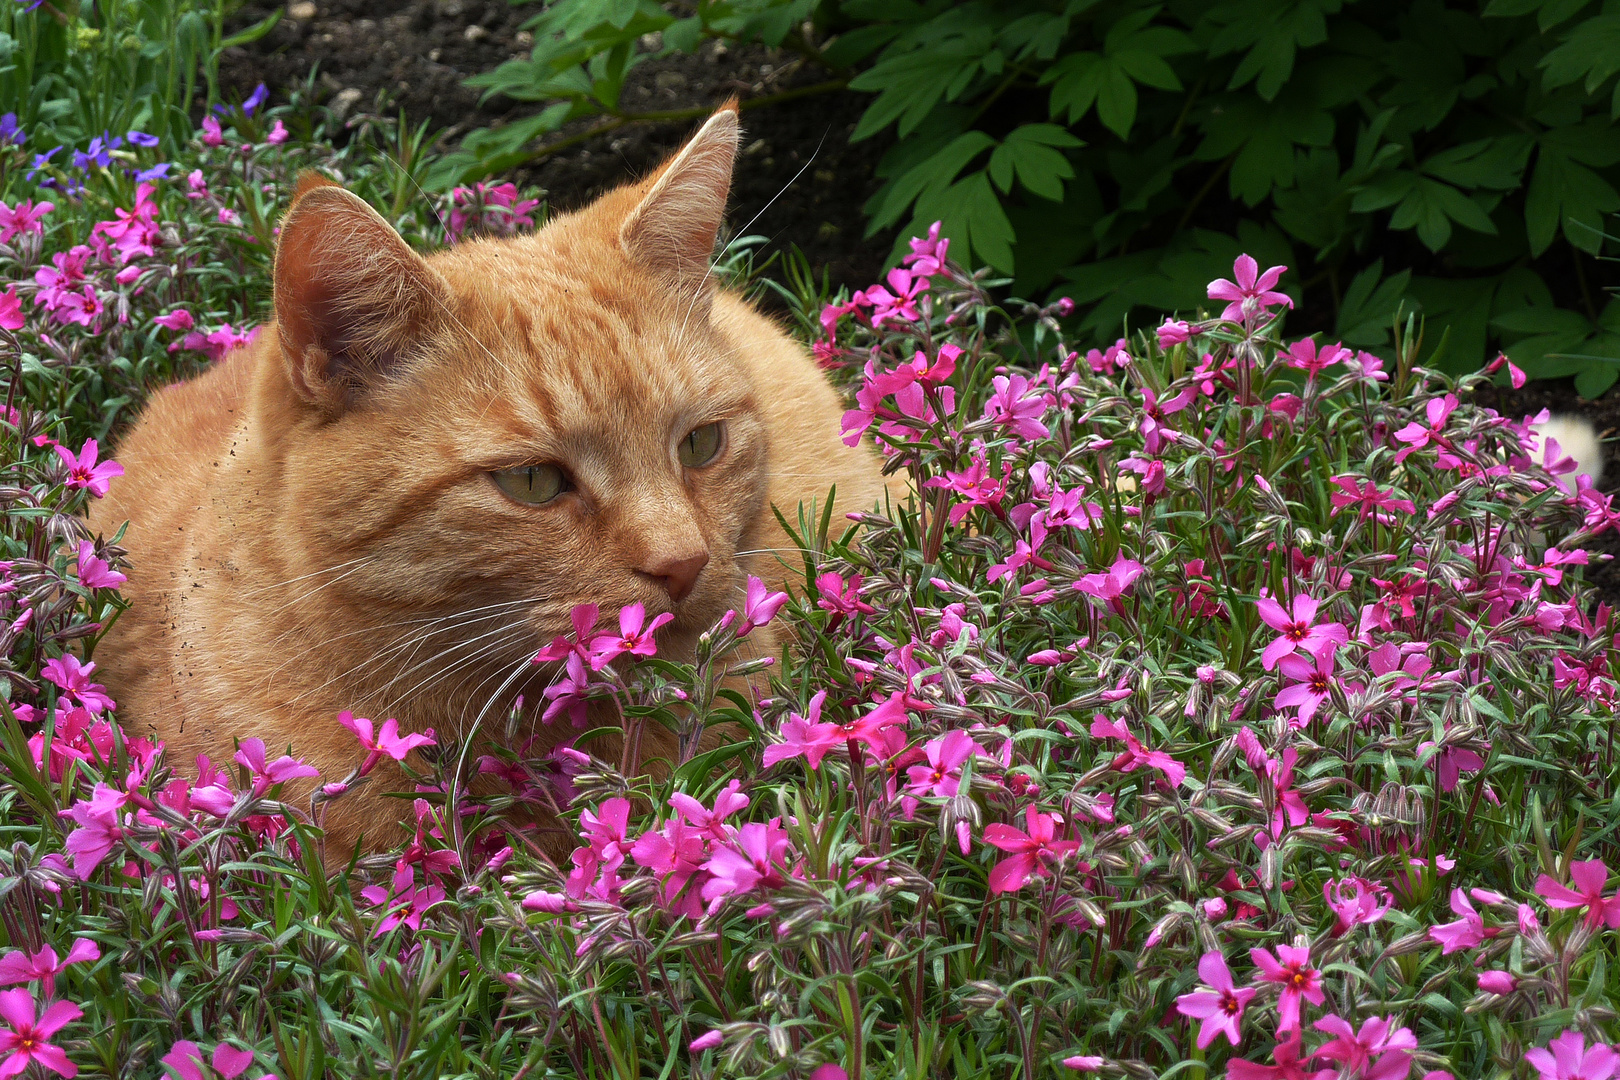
(672, 230)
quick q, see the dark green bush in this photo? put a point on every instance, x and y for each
(1458, 159)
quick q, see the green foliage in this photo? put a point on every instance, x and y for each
(1115, 150)
(73, 71)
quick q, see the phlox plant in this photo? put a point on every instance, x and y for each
(1218, 703)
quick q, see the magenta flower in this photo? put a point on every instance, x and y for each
(1372, 501)
(1155, 414)
(388, 742)
(1569, 1059)
(96, 573)
(841, 598)
(404, 902)
(1311, 685)
(1136, 755)
(185, 1058)
(1289, 1065)
(1497, 982)
(807, 737)
(1252, 293)
(635, 636)
(99, 828)
(211, 133)
(1115, 583)
(73, 679)
(179, 319)
(1012, 409)
(1374, 1052)
(942, 776)
(1297, 629)
(977, 486)
(1355, 902)
(1173, 332)
(11, 315)
(1304, 355)
(1590, 876)
(1029, 851)
(278, 133)
(1291, 969)
(584, 619)
(266, 775)
(84, 472)
(26, 1039)
(759, 605)
(1220, 1006)
(754, 859)
(1417, 436)
(43, 967)
(927, 252)
(24, 218)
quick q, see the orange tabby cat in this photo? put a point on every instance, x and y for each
(407, 483)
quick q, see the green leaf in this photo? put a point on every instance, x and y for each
(911, 84)
(972, 217)
(1273, 33)
(1264, 137)
(927, 179)
(1496, 163)
(1590, 50)
(254, 32)
(1368, 308)
(1565, 193)
(1028, 151)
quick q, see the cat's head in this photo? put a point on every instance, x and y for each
(510, 428)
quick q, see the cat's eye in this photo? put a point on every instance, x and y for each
(702, 444)
(533, 484)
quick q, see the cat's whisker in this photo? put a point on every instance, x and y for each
(511, 636)
(454, 620)
(318, 588)
(303, 577)
(501, 630)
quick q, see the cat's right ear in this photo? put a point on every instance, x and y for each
(352, 298)
(672, 230)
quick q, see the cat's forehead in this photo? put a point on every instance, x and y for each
(577, 332)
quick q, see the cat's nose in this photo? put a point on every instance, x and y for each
(678, 573)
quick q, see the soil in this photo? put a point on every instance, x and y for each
(799, 180)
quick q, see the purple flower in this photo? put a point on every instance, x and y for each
(141, 138)
(160, 171)
(255, 99)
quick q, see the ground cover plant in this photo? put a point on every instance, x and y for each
(1457, 157)
(1228, 703)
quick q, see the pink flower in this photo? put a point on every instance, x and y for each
(1497, 982)
(404, 902)
(942, 776)
(1355, 902)
(901, 304)
(43, 967)
(179, 319)
(1297, 629)
(1220, 1006)
(388, 742)
(1291, 969)
(278, 134)
(1304, 356)
(1136, 755)
(83, 472)
(1084, 1062)
(1387, 1053)
(1571, 1060)
(1115, 583)
(810, 737)
(1251, 295)
(1590, 875)
(27, 1039)
(978, 486)
(1012, 409)
(250, 753)
(73, 678)
(706, 1041)
(1417, 436)
(1029, 851)
(754, 859)
(11, 316)
(634, 638)
(1369, 498)
(759, 606)
(840, 597)
(1311, 684)
(95, 573)
(927, 253)
(1288, 1065)
(1155, 413)
(24, 218)
(185, 1058)
(211, 133)
(1173, 332)
(99, 828)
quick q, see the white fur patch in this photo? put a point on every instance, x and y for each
(1575, 438)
